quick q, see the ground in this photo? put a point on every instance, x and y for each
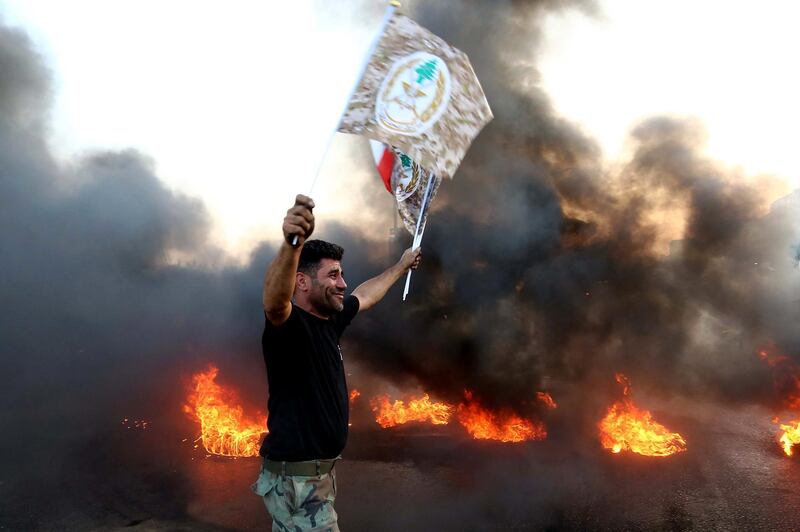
(733, 477)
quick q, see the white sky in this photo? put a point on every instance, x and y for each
(236, 101)
(731, 63)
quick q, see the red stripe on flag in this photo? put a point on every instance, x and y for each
(385, 168)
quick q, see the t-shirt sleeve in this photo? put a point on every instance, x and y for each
(271, 330)
(343, 318)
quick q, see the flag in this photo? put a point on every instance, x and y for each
(384, 162)
(413, 187)
(419, 95)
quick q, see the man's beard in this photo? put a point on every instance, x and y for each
(333, 301)
(326, 301)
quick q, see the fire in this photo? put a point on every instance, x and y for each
(353, 395)
(546, 399)
(507, 426)
(786, 375)
(481, 424)
(420, 409)
(136, 423)
(790, 436)
(627, 428)
(224, 428)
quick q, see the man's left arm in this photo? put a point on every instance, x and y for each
(371, 291)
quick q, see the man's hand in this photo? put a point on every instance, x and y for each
(299, 220)
(372, 290)
(280, 276)
(410, 259)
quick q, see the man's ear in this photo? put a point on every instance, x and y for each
(302, 281)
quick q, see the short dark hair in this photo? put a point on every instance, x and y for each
(313, 252)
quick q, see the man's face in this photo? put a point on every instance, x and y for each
(327, 288)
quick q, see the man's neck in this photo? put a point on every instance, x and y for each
(308, 307)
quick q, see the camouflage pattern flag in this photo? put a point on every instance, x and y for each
(408, 182)
(419, 95)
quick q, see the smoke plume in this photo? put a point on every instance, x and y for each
(542, 268)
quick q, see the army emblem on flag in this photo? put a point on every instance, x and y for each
(413, 95)
(414, 189)
(419, 95)
(406, 177)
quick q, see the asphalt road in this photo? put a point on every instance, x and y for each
(733, 477)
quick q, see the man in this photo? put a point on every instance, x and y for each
(306, 312)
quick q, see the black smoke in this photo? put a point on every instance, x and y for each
(540, 267)
(100, 323)
(541, 270)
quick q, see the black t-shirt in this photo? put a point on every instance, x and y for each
(308, 403)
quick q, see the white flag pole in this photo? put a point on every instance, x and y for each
(420, 230)
(390, 9)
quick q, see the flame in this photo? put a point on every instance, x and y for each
(353, 395)
(420, 409)
(224, 429)
(505, 426)
(786, 375)
(479, 422)
(627, 428)
(547, 399)
(790, 436)
(136, 424)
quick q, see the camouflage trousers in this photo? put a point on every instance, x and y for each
(299, 503)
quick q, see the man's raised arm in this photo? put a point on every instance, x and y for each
(281, 274)
(371, 291)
